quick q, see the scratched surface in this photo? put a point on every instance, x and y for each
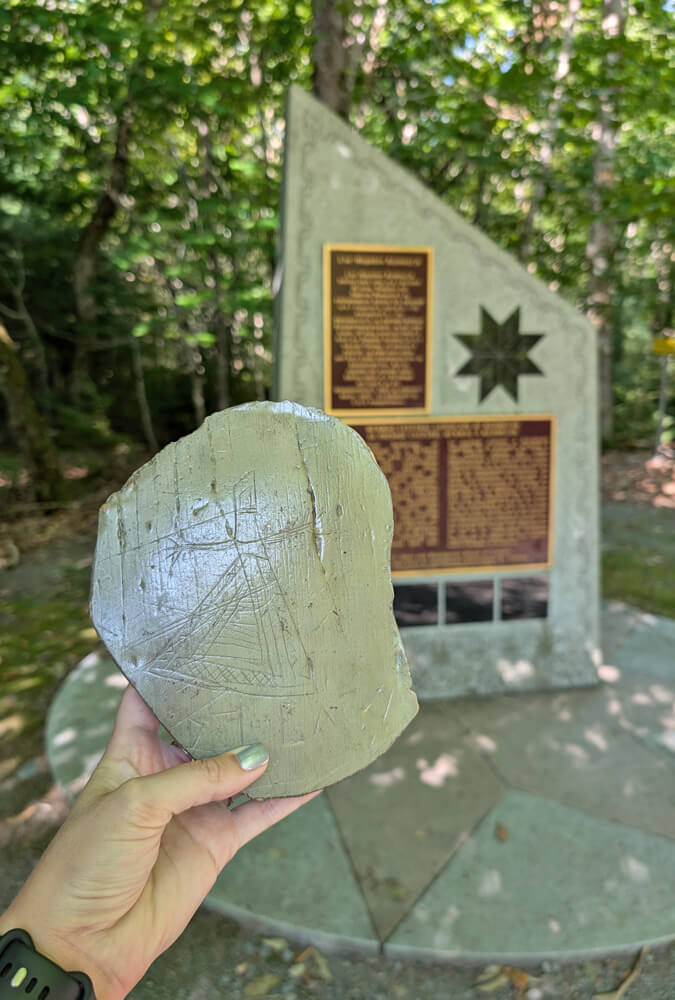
(242, 583)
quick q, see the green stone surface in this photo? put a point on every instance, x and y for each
(285, 877)
(242, 583)
(434, 789)
(555, 875)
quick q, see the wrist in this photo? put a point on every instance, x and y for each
(68, 957)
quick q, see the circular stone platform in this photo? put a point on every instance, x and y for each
(507, 829)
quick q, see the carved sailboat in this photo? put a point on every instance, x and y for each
(241, 635)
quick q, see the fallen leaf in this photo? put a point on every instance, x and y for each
(304, 954)
(495, 976)
(322, 967)
(275, 944)
(501, 833)
(241, 968)
(489, 972)
(489, 985)
(261, 986)
(518, 978)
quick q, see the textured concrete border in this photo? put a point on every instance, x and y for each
(335, 943)
(81, 716)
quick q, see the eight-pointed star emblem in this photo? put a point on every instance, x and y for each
(499, 354)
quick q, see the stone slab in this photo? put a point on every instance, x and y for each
(582, 744)
(340, 190)
(81, 718)
(495, 658)
(617, 621)
(649, 648)
(644, 706)
(296, 878)
(430, 790)
(538, 879)
(242, 582)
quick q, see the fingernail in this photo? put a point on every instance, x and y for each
(251, 756)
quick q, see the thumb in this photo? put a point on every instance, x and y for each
(198, 782)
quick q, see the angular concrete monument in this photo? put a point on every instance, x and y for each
(475, 387)
(241, 582)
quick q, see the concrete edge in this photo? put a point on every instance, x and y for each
(471, 959)
(323, 940)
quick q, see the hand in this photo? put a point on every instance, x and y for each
(138, 853)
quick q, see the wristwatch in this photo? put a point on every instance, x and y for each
(23, 971)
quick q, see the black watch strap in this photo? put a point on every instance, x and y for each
(21, 965)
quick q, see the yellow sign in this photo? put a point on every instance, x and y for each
(663, 345)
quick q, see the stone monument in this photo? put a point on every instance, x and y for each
(475, 387)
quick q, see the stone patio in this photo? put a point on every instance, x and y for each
(507, 828)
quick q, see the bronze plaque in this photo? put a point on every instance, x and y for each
(469, 494)
(377, 336)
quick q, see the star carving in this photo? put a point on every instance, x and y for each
(499, 354)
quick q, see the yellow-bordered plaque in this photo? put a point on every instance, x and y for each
(663, 345)
(470, 494)
(377, 329)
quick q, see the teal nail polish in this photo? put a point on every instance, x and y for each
(252, 756)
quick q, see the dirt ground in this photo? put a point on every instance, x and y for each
(45, 632)
(640, 477)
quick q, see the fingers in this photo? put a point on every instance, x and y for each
(198, 782)
(133, 714)
(252, 818)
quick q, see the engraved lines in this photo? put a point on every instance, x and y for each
(122, 541)
(206, 626)
(317, 534)
(240, 613)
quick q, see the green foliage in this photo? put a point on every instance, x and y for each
(81, 430)
(493, 105)
(637, 374)
(642, 578)
(638, 561)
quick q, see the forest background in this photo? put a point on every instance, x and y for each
(141, 146)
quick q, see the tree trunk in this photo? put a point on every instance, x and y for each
(29, 428)
(141, 395)
(604, 234)
(663, 306)
(550, 131)
(480, 206)
(197, 392)
(21, 314)
(86, 262)
(222, 332)
(330, 77)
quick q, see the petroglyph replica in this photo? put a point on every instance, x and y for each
(242, 583)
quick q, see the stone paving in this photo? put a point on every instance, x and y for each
(508, 828)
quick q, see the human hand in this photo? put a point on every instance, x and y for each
(138, 853)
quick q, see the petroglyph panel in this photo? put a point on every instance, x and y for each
(242, 583)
